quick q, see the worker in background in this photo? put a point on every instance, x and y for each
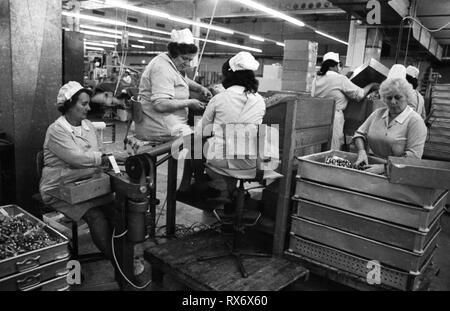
(418, 102)
(164, 94)
(239, 103)
(71, 152)
(329, 83)
(396, 130)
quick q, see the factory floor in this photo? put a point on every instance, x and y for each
(97, 274)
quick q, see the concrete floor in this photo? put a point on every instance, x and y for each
(98, 273)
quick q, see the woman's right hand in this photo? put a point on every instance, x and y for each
(362, 159)
(196, 105)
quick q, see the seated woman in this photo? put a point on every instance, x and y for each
(396, 130)
(71, 152)
(239, 103)
(164, 92)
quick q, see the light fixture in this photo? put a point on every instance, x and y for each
(94, 18)
(128, 7)
(110, 42)
(207, 26)
(281, 44)
(260, 7)
(98, 44)
(238, 46)
(93, 48)
(146, 41)
(330, 37)
(100, 34)
(131, 34)
(256, 38)
(138, 46)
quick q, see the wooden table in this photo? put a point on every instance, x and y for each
(178, 258)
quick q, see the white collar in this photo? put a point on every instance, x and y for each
(401, 117)
(331, 72)
(64, 123)
(236, 89)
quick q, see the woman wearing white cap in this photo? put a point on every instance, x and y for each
(418, 102)
(239, 103)
(71, 152)
(329, 83)
(164, 93)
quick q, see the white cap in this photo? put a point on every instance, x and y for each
(412, 71)
(182, 36)
(332, 56)
(243, 61)
(397, 71)
(67, 91)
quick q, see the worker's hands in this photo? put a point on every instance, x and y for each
(362, 159)
(205, 93)
(374, 86)
(375, 169)
(196, 105)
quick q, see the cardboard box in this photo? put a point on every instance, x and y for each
(289, 85)
(272, 71)
(84, 190)
(269, 85)
(295, 75)
(300, 55)
(300, 64)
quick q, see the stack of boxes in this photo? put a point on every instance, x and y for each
(437, 145)
(299, 65)
(353, 222)
(271, 79)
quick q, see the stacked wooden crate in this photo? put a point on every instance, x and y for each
(42, 269)
(299, 65)
(437, 145)
(348, 220)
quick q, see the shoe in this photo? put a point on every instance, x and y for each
(138, 266)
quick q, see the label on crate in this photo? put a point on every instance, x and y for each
(113, 162)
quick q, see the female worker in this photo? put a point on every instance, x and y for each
(417, 103)
(329, 83)
(164, 92)
(238, 104)
(71, 152)
(395, 130)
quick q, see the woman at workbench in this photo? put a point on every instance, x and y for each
(71, 152)
(164, 92)
(238, 104)
(396, 130)
(329, 83)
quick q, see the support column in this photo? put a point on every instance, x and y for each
(30, 71)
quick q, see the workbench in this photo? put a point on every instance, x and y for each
(179, 259)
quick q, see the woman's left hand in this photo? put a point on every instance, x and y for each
(205, 93)
(375, 169)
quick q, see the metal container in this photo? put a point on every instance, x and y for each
(58, 284)
(367, 248)
(34, 277)
(313, 167)
(370, 228)
(37, 257)
(398, 213)
(329, 257)
(371, 71)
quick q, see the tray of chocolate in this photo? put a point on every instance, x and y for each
(27, 242)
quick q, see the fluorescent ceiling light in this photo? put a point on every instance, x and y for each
(331, 37)
(98, 44)
(110, 42)
(138, 46)
(207, 26)
(128, 7)
(93, 48)
(149, 29)
(145, 41)
(281, 44)
(256, 38)
(238, 46)
(260, 7)
(94, 19)
(100, 34)
(131, 34)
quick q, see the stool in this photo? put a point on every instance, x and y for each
(239, 225)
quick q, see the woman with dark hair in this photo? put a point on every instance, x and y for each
(329, 83)
(164, 95)
(71, 152)
(417, 102)
(238, 104)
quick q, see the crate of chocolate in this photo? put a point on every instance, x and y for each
(334, 168)
(27, 245)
